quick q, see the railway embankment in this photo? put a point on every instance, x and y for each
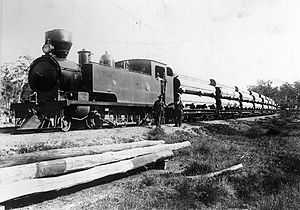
(268, 148)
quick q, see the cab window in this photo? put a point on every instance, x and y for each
(139, 66)
(159, 72)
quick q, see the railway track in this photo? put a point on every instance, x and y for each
(15, 131)
(9, 129)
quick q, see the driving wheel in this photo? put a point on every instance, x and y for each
(65, 124)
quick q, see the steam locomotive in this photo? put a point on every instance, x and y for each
(60, 91)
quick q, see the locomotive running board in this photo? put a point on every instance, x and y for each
(101, 103)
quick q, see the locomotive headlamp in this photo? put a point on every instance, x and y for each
(47, 47)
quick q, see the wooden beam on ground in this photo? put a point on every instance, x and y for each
(26, 187)
(70, 152)
(61, 166)
(232, 168)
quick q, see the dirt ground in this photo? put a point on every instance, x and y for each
(215, 145)
(11, 144)
(97, 137)
(76, 199)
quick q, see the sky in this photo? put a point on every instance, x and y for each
(236, 42)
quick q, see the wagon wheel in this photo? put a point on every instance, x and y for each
(65, 124)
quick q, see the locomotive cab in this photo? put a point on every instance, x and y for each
(149, 79)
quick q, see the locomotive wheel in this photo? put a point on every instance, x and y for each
(94, 120)
(65, 124)
(90, 123)
(20, 122)
(98, 121)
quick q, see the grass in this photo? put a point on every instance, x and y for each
(287, 198)
(166, 192)
(156, 134)
(269, 180)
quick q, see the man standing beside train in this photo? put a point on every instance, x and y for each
(178, 112)
(158, 109)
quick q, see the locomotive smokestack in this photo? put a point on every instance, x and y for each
(61, 40)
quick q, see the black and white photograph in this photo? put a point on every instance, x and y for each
(149, 104)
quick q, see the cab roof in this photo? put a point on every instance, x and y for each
(141, 59)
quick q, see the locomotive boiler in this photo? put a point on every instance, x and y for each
(118, 93)
(49, 73)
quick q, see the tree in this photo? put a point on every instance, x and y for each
(287, 95)
(12, 77)
(297, 87)
(265, 88)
